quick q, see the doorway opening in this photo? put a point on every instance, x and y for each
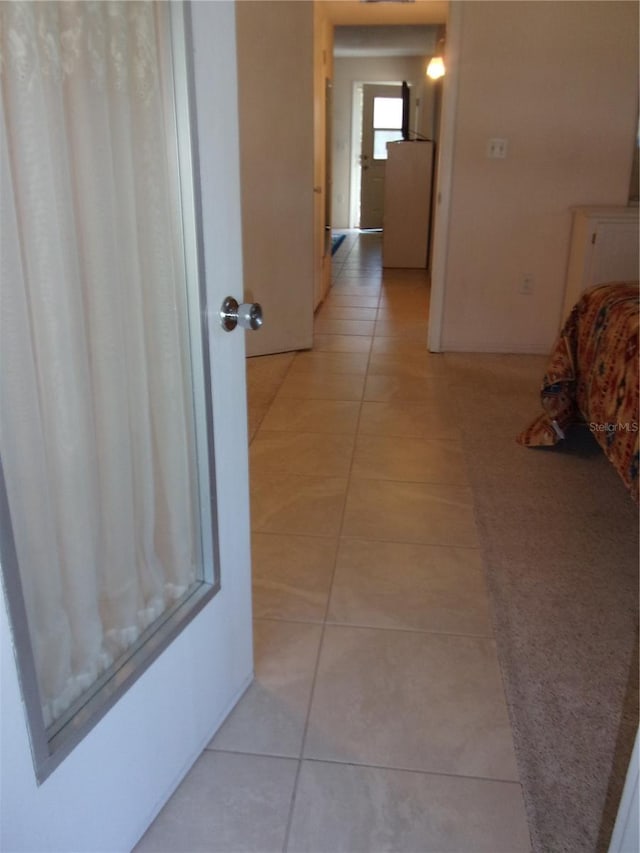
(376, 120)
(368, 89)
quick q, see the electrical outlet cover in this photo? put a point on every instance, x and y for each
(497, 148)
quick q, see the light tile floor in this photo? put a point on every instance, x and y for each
(377, 720)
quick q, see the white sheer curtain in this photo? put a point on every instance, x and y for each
(96, 424)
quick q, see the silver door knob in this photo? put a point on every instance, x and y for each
(248, 315)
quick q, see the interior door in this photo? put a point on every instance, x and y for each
(279, 205)
(110, 787)
(381, 123)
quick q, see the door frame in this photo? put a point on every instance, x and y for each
(444, 178)
(355, 170)
(443, 174)
(625, 831)
(108, 790)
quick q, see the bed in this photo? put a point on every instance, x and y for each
(592, 377)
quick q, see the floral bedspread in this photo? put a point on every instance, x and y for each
(592, 376)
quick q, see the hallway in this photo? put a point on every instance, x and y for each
(377, 720)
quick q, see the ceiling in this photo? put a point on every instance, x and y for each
(355, 12)
(385, 40)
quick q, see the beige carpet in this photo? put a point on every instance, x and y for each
(559, 536)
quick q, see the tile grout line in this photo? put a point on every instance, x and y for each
(366, 538)
(271, 402)
(392, 768)
(324, 620)
(323, 624)
(359, 626)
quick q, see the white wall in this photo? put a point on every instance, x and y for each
(560, 82)
(106, 792)
(350, 70)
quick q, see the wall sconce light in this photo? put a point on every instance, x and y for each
(435, 68)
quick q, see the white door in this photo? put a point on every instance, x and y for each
(106, 792)
(276, 102)
(381, 123)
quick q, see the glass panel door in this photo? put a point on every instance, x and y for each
(108, 536)
(381, 124)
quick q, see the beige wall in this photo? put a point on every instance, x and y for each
(560, 81)
(276, 107)
(350, 70)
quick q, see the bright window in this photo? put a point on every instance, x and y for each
(380, 139)
(387, 124)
